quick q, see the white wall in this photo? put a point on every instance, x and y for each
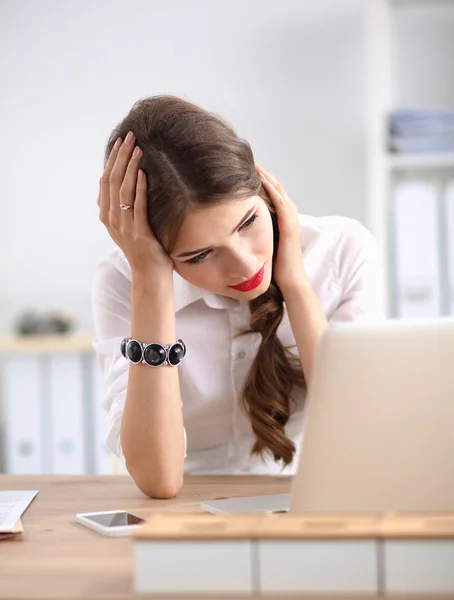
(424, 47)
(288, 75)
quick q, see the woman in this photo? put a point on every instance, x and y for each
(212, 251)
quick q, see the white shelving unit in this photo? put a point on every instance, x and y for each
(443, 160)
(51, 390)
(429, 84)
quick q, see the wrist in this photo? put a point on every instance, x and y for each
(152, 283)
(300, 288)
(152, 309)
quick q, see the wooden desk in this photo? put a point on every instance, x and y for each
(58, 558)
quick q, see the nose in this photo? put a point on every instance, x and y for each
(242, 265)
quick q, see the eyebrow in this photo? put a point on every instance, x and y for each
(249, 212)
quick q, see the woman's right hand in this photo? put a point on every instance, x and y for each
(124, 183)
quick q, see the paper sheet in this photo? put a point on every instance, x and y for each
(18, 528)
(12, 505)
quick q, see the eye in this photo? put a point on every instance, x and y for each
(198, 258)
(249, 222)
(201, 257)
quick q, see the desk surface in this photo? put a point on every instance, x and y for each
(58, 558)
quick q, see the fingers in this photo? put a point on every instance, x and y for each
(117, 174)
(123, 183)
(269, 177)
(104, 192)
(140, 205)
(128, 188)
(276, 192)
(272, 189)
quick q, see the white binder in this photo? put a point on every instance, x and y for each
(66, 393)
(449, 196)
(416, 209)
(23, 415)
(102, 456)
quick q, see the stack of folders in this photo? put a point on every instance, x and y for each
(423, 248)
(412, 131)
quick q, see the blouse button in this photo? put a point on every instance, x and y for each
(241, 354)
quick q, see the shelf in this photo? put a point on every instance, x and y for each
(72, 342)
(424, 2)
(440, 160)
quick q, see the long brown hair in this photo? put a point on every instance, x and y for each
(193, 158)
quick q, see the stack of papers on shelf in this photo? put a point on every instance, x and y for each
(12, 505)
(413, 131)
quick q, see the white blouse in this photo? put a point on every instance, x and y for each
(340, 258)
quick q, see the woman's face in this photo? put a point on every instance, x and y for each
(226, 245)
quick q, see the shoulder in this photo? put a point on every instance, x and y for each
(333, 231)
(341, 241)
(344, 266)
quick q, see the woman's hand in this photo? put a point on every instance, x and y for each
(124, 183)
(288, 268)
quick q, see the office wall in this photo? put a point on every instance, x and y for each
(288, 75)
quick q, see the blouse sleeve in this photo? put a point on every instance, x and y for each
(359, 276)
(111, 307)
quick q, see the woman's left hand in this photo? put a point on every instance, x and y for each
(288, 267)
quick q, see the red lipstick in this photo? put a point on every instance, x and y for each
(247, 286)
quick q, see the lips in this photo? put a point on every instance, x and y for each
(247, 286)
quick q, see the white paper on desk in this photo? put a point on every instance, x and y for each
(18, 528)
(12, 505)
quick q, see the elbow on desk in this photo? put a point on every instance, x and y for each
(159, 491)
(161, 487)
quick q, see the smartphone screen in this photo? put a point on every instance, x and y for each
(115, 519)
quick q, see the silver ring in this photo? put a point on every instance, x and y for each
(125, 207)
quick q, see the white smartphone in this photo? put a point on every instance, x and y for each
(113, 522)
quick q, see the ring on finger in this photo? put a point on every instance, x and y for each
(125, 206)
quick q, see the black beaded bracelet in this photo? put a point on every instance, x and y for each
(154, 355)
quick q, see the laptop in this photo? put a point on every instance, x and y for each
(379, 427)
